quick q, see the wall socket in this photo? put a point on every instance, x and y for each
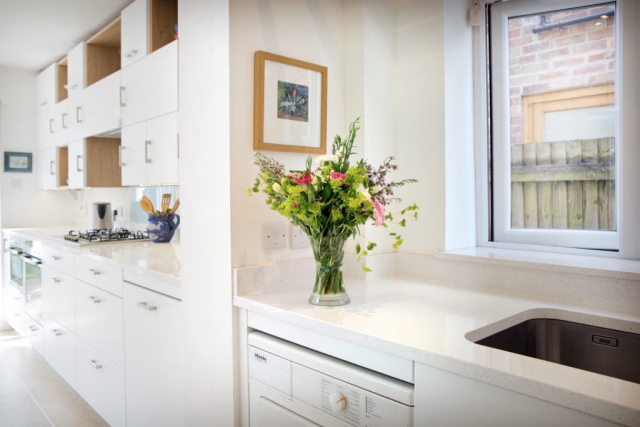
(298, 238)
(274, 235)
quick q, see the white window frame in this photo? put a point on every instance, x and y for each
(626, 240)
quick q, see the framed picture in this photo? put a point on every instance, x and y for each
(290, 105)
(18, 162)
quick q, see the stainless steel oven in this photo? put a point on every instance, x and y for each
(33, 286)
(16, 268)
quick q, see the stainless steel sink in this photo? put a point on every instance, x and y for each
(603, 351)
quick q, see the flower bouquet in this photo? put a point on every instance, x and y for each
(330, 202)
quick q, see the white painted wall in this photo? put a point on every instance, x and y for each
(205, 205)
(312, 31)
(22, 204)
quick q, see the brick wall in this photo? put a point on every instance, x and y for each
(578, 55)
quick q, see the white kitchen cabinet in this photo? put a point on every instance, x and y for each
(46, 169)
(45, 129)
(99, 320)
(101, 106)
(150, 152)
(77, 173)
(134, 32)
(14, 303)
(60, 349)
(46, 87)
(34, 334)
(57, 259)
(101, 383)
(61, 122)
(76, 69)
(150, 86)
(58, 295)
(154, 358)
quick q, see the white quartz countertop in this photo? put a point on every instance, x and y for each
(159, 261)
(430, 323)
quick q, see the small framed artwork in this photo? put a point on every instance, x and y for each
(18, 162)
(290, 105)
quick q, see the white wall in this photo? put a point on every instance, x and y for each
(22, 204)
(312, 31)
(205, 206)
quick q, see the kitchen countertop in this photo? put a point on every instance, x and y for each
(159, 261)
(430, 323)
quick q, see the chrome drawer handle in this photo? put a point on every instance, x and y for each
(94, 364)
(55, 258)
(56, 280)
(94, 271)
(131, 53)
(56, 332)
(95, 300)
(33, 328)
(147, 307)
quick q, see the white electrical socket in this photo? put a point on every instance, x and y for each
(298, 238)
(275, 235)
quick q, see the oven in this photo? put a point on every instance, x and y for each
(16, 269)
(32, 285)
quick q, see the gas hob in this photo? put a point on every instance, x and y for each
(103, 236)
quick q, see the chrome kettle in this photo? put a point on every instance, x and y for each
(101, 216)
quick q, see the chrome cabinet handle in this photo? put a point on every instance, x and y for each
(43, 103)
(56, 332)
(78, 157)
(131, 53)
(94, 271)
(122, 104)
(51, 167)
(55, 258)
(147, 307)
(33, 328)
(95, 300)
(74, 86)
(94, 364)
(120, 162)
(78, 120)
(64, 121)
(51, 130)
(146, 151)
(56, 280)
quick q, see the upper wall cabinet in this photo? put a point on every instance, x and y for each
(103, 53)
(46, 84)
(76, 71)
(93, 162)
(150, 86)
(101, 106)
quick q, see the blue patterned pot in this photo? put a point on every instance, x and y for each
(162, 227)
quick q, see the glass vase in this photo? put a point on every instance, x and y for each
(329, 287)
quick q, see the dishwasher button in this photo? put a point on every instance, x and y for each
(338, 402)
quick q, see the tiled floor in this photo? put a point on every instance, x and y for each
(32, 394)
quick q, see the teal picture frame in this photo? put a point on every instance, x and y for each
(18, 162)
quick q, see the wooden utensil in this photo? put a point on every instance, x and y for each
(166, 200)
(146, 205)
(175, 207)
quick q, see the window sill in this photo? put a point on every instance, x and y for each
(563, 263)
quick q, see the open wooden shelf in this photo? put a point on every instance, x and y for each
(103, 53)
(103, 169)
(63, 167)
(62, 80)
(164, 17)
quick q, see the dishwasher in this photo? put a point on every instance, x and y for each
(293, 386)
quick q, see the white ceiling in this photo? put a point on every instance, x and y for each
(36, 33)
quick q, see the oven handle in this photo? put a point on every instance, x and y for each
(15, 251)
(31, 260)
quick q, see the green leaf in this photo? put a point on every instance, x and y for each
(365, 253)
(358, 248)
(403, 223)
(370, 246)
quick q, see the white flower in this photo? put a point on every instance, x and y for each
(315, 180)
(375, 189)
(327, 158)
(363, 191)
(277, 188)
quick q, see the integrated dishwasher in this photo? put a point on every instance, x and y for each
(291, 385)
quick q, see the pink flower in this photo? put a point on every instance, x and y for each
(306, 179)
(296, 204)
(378, 213)
(337, 175)
(292, 175)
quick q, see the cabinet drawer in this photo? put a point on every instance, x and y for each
(34, 334)
(101, 384)
(101, 275)
(58, 259)
(99, 321)
(14, 308)
(58, 297)
(60, 349)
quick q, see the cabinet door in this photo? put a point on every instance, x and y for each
(162, 150)
(76, 69)
(58, 297)
(132, 157)
(45, 129)
(101, 106)
(151, 86)
(154, 358)
(34, 334)
(61, 123)
(77, 163)
(134, 32)
(75, 118)
(60, 349)
(46, 169)
(46, 87)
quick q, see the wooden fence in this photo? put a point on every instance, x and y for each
(564, 185)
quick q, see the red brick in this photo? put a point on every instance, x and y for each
(600, 56)
(552, 75)
(515, 130)
(534, 68)
(518, 60)
(521, 41)
(601, 78)
(514, 51)
(590, 69)
(536, 88)
(522, 80)
(568, 62)
(514, 71)
(515, 90)
(611, 66)
(515, 23)
(550, 34)
(589, 46)
(514, 33)
(570, 41)
(536, 47)
(516, 121)
(551, 54)
(603, 33)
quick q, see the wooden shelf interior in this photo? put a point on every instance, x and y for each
(164, 17)
(63, 167)
(103, 53)
(62, 80)
(103, 169)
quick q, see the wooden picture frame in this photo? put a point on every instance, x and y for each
(301, 115)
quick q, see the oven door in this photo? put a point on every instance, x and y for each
(16, 268)
(33, 286)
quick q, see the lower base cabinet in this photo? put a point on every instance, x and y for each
(101, 383)
(153, 358)
(60, 349)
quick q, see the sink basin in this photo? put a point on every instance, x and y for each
(591, 348)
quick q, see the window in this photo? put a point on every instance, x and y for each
(562, 120)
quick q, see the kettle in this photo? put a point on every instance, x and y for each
(101, 216)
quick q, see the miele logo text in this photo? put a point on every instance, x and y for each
(260, 357)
